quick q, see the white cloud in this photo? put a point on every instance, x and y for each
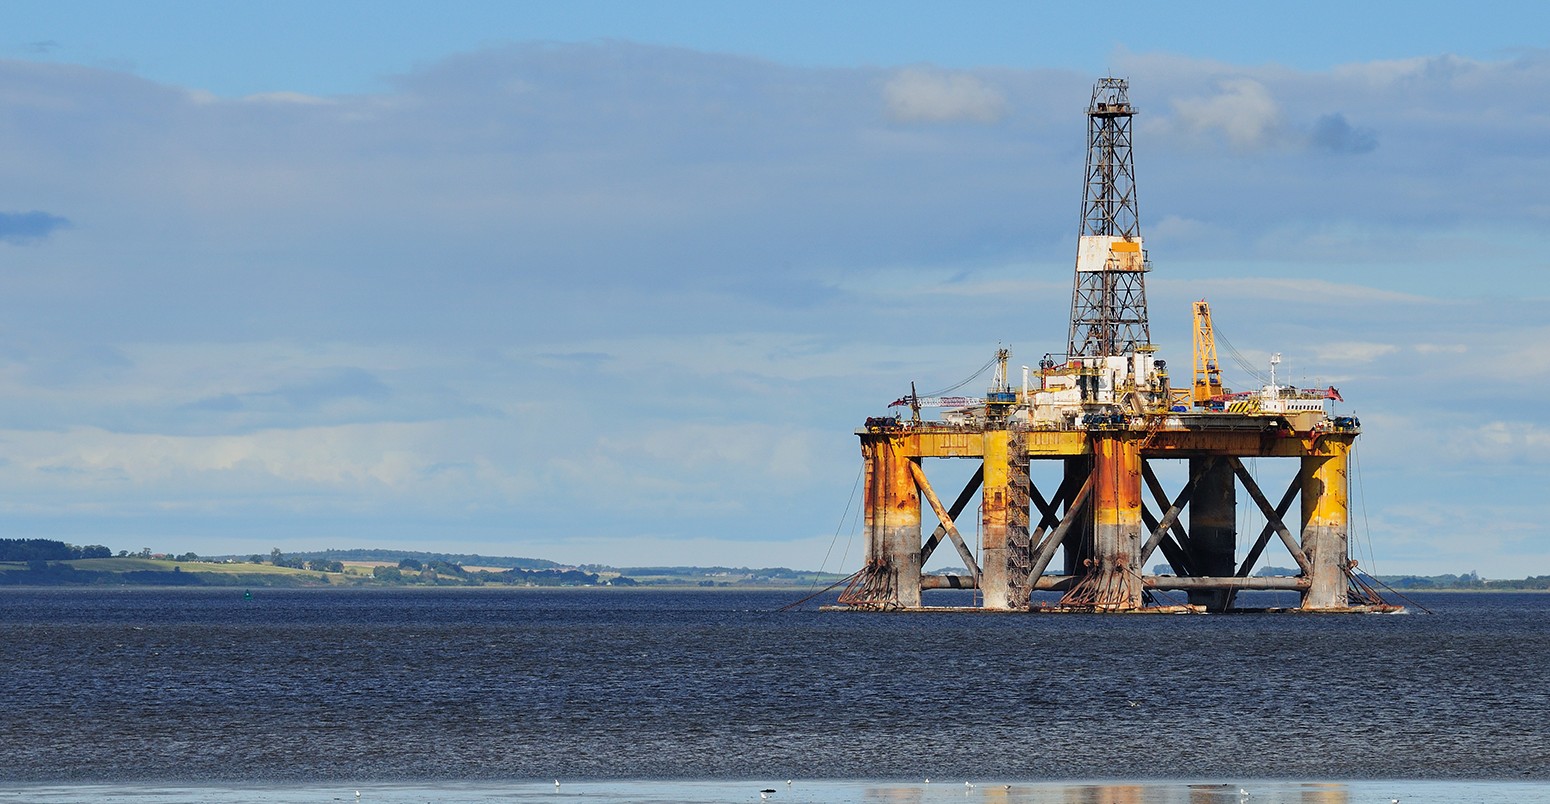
(1173, 229)
(1500, 442)
(331, 466)
(1352, 351)
(297, 98)
(1242, 109)
(1385, 74)
(918, 94)
(1287, 289)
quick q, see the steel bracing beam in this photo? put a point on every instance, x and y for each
(1171, 511)
(952, 514)
(1231, 584)
(1266, 532)
(945, 519)
(1176, 553)
(1046, 549)
(1049, 510)
(1272, 517)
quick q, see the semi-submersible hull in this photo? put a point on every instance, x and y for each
(1095, 509)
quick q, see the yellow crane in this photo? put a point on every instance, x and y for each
(1208, 373)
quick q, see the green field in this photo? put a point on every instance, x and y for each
(167, 565)
(207, 573)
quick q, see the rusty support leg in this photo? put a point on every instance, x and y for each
(1213, 531)
(871, 586)
(1113, 580)
(1324, 524)
(901, 526)
(996, 500)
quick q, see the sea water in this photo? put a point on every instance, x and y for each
(667, 695)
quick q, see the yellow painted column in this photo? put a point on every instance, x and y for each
(1116, 520)
(995, 501)
(1325, 522)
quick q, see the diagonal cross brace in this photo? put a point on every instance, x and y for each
(945, 518)
(1272, 516)
(1264, 534)
(1049, 510)
(1046, 549)
(1177, 556)
(1171, 511)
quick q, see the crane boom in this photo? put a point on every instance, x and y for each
(938, 401)
(1208, 372)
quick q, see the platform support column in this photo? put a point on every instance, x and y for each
(900, 532)
(1213, 533)
(995, 504)
(1116, 522)
(1325, 517)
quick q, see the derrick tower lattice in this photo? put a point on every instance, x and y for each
(1108, 299)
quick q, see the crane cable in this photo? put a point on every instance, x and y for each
(971, 378)
(1238, 358)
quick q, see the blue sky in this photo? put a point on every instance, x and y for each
(614, 282)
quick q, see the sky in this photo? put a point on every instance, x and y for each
(615, 282)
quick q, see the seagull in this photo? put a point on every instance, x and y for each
(557, 784)
(765, 793)
(968, 785)
(788, 782)
(1243, 793)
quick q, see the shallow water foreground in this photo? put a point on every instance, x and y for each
(813, 792)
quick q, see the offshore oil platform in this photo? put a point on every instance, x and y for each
(1100, 415)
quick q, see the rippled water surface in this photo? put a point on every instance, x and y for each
(302, 686)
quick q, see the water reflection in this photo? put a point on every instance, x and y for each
(1091, 793)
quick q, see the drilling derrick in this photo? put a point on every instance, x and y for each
(1074, 463)
(1108, 300)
